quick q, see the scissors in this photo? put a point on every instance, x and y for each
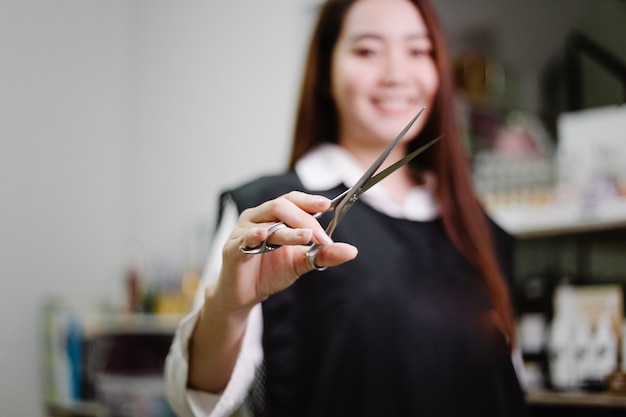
(344, 201)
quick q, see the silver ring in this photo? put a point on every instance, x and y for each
(311, 259)
(264, 246)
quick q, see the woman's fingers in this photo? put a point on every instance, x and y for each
(335, 254)
(247, 279)
(294, 210)
(255, 236)
(331, 255)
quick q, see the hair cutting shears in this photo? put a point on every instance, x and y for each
(344, 201)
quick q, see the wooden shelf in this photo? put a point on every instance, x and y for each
(576, 399)
(556, 219)
(78, 409)
(131, 323)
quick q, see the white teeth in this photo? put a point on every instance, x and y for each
(393, 104)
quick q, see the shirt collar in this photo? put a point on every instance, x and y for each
(329, 165)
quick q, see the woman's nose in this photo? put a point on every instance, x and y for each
(395, 68)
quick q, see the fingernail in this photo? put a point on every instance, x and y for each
(320, 201)
(304, 232)
(323, 237)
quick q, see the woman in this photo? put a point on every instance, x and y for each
(420, 322)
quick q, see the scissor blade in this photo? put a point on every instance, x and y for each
(392, 168)
(342, 206)
(348, 197)
(385, 173)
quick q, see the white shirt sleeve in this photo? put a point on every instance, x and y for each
(192, 403)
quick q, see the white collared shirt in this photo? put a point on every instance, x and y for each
(323, 168)
(329, 165)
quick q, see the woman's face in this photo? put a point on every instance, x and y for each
(383, 72)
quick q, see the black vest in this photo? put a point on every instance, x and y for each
(404, 329)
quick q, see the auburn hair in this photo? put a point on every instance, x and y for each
(462, 215)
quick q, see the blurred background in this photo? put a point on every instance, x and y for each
(122, 120)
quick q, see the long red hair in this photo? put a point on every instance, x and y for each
(462, 215)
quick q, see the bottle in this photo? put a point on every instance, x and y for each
(583, 353)
(561, 350)
(133, 290)
(603, 351)
(535, 308)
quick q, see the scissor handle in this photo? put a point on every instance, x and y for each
(264, 246)
(311, 253)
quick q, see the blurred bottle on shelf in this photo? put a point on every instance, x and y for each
(534, 311)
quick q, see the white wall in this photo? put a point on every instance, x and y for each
(214, 87)
(121, 120)
(119, 123)
(63, 72)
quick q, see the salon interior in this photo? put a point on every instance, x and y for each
(122, 120)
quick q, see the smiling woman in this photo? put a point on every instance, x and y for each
(422, 315)
(382, 72)
(125, 102)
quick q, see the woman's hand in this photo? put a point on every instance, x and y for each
(246, 280)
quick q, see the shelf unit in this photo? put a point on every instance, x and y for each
(568, 239)
(550, 236)
(558, 219)
(120, 366)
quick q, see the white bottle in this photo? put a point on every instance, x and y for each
(561, 349)
(583, 352)
(603, 351)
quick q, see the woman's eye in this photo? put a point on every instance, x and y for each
(365, 52)
(419, 52)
